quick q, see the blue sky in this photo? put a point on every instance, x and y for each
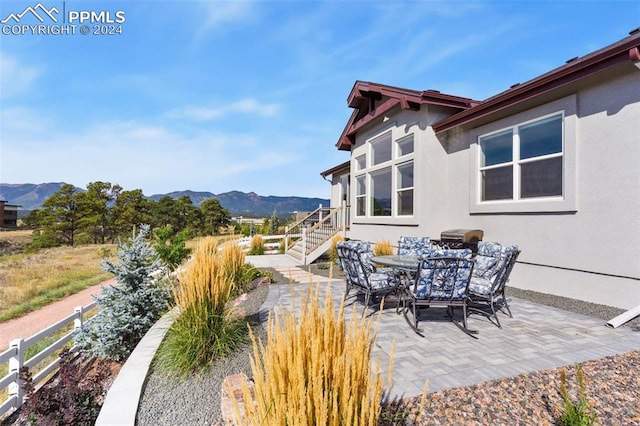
(251, 96)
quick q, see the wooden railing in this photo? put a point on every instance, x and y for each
(16, 353)
(315, 229)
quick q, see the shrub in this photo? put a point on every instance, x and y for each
(313, 369)
(250, 273)
(577, 413)
(129, 309)
(257, 245)
(203, 330)
(171, 248)
(74, 398)
(383, 248)
(333, 252)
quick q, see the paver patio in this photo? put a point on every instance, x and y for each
(537, 338)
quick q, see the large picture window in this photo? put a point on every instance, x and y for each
(523, 162)
(384, 187)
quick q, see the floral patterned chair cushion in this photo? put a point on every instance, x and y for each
(487, 260)
(435, 279)
(416, 246)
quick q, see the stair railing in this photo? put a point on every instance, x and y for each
(316, 228)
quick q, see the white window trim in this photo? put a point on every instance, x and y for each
(397, 133)
(397, 189)
(566, 203)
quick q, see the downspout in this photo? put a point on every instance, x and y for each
(634, 56)
(624, 317)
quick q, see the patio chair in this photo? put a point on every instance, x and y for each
(416, 246)
(442, 281)
(494, 264)
(361, 274)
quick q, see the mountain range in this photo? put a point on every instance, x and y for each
(31, 196)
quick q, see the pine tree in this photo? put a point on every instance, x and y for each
(130, 308)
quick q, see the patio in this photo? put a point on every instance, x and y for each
(535, 341)
(539, 337)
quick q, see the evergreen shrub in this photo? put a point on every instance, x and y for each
(128, 309)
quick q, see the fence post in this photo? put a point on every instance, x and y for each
(79, 321)
(15, 364)
(320, 213)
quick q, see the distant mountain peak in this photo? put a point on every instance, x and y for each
(31, 196)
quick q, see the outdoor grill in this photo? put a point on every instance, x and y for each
(462, 238)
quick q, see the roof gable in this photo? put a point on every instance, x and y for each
(372, 100)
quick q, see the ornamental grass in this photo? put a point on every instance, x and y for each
(314, 369)
(257, 245)
(232, 258)
(383, 248)
(333, 251)
(203, 330)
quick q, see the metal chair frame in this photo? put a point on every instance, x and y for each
(497, 295)
(447, 281)
(359, 273)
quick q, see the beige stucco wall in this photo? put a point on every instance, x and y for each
(586, 249)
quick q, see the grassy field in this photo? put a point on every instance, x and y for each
(18, 236)
(30, 281)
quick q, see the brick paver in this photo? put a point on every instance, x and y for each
(538, 337)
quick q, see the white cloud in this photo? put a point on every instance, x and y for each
(16, 78)
(243, 106)
(155, 158)
(225, 11)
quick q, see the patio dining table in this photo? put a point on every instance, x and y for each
(405, 266)
(405, 262)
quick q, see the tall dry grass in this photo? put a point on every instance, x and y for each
(333, 251)
(382, 248)
(30, 281)
(204, 329)
(314, 369)
(232, 258)
(256, 245)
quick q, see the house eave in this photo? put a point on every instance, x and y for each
(339, 168)
(363, 98)
(574, 70)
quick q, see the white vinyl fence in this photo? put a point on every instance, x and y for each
(271, 243)
(16, 353)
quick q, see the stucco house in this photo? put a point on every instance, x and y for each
(551, 164)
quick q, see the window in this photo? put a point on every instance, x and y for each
(381, 192)
(405, 146)
(405, 189)
(361, 195)
(523, 162)
(344, 188)
(381, 149)
(384, 187)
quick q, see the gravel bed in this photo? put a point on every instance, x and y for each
(530, 399)
(195, 400)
